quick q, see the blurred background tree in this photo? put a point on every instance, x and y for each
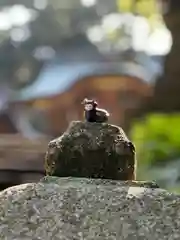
(32, 31)
(157, 141)
(167, 88)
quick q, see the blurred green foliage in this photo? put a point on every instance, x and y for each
(157, 141)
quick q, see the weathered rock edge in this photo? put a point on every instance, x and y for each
(74, 208)
(92, 150)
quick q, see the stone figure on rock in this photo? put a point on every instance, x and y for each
(94, 114)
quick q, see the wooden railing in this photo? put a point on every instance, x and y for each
(18, 141)
(20, 153)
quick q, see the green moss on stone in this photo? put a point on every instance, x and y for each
(92, 150)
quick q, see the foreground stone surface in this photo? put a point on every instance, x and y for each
(73, 208)
(91, 150)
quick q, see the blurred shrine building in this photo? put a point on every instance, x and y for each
(42, 110)
(54, 98)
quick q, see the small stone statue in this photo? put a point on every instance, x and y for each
(94, 114)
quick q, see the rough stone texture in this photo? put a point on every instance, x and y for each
(92, 150)
(88, 209)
